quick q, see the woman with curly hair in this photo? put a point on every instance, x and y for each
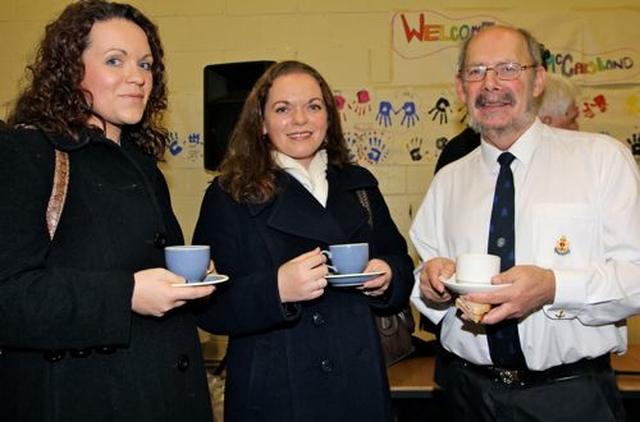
(93, 328)
(300, 348)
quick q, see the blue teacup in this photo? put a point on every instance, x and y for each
(189, 261)
(348, 258)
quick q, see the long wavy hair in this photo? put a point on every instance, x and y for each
(54, 99)
(248, 171)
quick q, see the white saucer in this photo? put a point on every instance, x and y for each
(465, 288)
(208, 280)
(351, 280)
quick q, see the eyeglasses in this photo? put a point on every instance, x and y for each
(504, 71)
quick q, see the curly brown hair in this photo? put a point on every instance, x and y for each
(248, 171)
(55, 101)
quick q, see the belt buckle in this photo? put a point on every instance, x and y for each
(507, 377)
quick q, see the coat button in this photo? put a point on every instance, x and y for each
(318, 319)
(53, 356)
(106, 350)
(326, 366)
(183, 363)
(80, 353)
(160, 240)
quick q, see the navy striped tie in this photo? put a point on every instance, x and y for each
(504, 342)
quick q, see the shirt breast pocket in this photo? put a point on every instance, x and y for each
(563, 235)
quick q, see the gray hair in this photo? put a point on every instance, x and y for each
(559, 93)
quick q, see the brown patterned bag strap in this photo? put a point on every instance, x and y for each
(58, 191)
(364, 200)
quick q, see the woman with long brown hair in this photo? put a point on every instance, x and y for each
(303, 344)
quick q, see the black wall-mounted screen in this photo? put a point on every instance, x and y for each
(226, 87)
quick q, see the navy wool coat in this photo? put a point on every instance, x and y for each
(70, 347)
(312, 361)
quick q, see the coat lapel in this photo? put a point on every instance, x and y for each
(345, 208)
(294, 211)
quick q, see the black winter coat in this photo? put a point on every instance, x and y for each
(70, 298)
(311, 361)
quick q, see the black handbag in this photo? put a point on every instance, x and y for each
(396, 335)
(395, 330)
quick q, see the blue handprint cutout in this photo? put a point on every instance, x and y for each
(410, 115)
(174, 144)
(195, 139)
(440, 110)
(384, 113)
(375, 149)
(414, 146)
(354, 148)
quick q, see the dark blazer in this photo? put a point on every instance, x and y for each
(458, 146)
(312, 361)
(70, 347)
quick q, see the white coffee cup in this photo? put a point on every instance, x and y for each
(477, 268)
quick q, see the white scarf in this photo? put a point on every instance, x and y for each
(313, 178)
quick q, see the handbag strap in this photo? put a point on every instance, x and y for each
(364, 200)
(58, 191)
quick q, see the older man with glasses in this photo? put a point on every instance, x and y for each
(560, 208)
(558, 108)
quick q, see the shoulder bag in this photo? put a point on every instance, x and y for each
(395, 330)
(58, 191)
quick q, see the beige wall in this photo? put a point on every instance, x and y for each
(342, 38)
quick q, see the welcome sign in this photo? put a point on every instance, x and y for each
(592, 46)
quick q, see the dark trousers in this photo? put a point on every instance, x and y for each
(473, 396)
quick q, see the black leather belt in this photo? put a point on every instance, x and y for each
(526, 377)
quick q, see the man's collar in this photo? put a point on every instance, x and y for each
(522, 148)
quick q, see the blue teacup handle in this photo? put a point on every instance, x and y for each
(331, 268)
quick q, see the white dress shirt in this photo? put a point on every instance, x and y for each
(582, 186)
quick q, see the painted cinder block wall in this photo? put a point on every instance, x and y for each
(347, 40)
